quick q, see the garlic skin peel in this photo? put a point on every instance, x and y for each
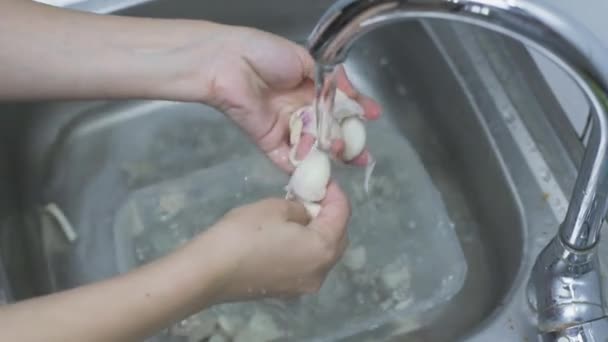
(345, 107)
(309, 181)
(353, 134)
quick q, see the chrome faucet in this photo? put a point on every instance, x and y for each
(565, 282)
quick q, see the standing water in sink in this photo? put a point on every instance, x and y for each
(404, 256)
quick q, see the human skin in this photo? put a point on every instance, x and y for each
(270, 248)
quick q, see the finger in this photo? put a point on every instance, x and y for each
(342, 246)
(306, 143)
(345, 84)
(297, 213)
(308, 64)
(280, 157)
(305, 92)
(334, 215)
(361, 160)
(337, 148)
(290, 100)
(371, 108)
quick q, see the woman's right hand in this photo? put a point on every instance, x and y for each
(271, 248)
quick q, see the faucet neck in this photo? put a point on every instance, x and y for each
(568, 45)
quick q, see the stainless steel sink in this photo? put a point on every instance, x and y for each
(466, 99)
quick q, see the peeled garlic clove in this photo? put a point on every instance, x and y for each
(313, 209)
(353, 133)
(309, 180)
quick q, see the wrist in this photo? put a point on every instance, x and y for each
(88, 56)
(181, 60)
(210, 261)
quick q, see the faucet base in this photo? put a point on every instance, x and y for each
(588, 332)
(566, 285)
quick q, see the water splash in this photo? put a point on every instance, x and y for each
(325, 93)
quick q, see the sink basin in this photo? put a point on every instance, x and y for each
(467, 100)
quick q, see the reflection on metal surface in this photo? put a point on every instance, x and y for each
(75, 154)
(572, 254)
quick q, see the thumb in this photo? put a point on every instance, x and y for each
(294, 99)
(308, 64)
(333, 218)
(296, 212)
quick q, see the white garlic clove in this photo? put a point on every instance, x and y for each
(313, 209)
(309, 181)
(353, 133)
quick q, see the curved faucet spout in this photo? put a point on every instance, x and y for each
(570, 256)
(568, 45)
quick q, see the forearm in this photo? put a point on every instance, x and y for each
(126, 308)
(52, 53)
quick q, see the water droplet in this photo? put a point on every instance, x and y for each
(383, 61)
(411, 224)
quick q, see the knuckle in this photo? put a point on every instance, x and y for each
(276, 204)
(267, 205)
